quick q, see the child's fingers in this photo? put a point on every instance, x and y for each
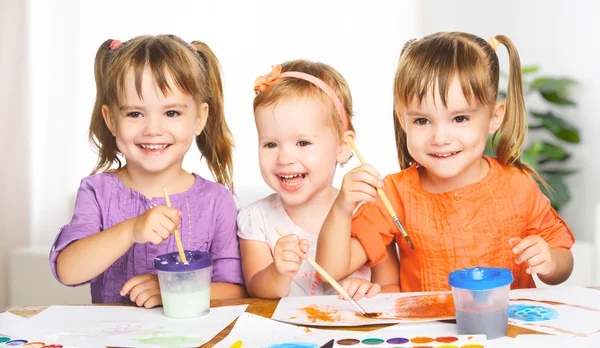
(153, 301)
(145, 295)
(514, 241)
(304, 245)
(132, 283)
(362, 290)
(543, 268)
(527, 254)
(289, 256)
(525, 243)
(363, 190)
(537, 260)
(146, 284)
(367, 168)
(367, 178)
(374, 290)
(171, 213)
(352, 287)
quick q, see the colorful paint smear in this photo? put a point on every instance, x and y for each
(295, 345)
(348, 342)
(447, 339)
(171, 340)
(313, 313)
(531, 313)
(447, 346)
(15, 343)
(374, 315)
(397, 340)
(237, 344)
(473, 346)
(428, 306)
(4, 339)
(557, 303)
(422, 340)
(34, 345)
(372, 341)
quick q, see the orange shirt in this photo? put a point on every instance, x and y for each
(466, 227)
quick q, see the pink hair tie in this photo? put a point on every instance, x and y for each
(114, 44)
(263, 82)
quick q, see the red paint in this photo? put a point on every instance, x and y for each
(447, 339)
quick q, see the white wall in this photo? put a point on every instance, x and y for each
(562, 37)
(14, 137)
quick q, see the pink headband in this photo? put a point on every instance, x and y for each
(263, 82)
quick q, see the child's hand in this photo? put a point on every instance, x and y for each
(359, 184)
(289, 253)
(536, 252)
(357, 288)
(143, 290)
(156, 225)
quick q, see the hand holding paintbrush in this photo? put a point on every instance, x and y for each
(386, 201)
(333, 282)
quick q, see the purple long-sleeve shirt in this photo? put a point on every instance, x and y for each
(208, 223)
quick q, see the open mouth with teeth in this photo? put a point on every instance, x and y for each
(292, 182)
(153, 147)
(444, 155)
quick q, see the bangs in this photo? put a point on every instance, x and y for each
(167, 61)
(431, 65)
(289, 88)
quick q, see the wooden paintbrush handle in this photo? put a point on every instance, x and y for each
(328, 278)
(176, 233)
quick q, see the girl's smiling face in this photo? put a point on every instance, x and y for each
(298, 148)
(448, 141)
(154, 131)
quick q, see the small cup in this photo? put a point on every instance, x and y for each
(481, 297)
(184, 287)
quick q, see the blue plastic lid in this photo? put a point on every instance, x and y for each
(172, 263)
(480, 278)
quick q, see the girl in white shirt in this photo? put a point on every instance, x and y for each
(303, 117)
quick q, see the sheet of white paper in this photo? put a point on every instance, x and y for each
(391, 308)
(562, 310)
(124, 326)
(12, 325)
(258, 332)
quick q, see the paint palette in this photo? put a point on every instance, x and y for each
(391, 308)
(255, 331)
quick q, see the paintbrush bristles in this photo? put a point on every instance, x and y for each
(386, 201)
(176, 233)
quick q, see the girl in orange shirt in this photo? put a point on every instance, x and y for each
(461, 209)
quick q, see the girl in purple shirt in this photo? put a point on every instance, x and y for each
(155, 95)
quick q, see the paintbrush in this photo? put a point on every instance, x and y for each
(333, 282)
(176, 233)
(385, 200)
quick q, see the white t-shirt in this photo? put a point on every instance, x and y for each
(257, 221)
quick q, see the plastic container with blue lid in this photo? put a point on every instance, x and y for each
(481, 297)
(184, 286)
